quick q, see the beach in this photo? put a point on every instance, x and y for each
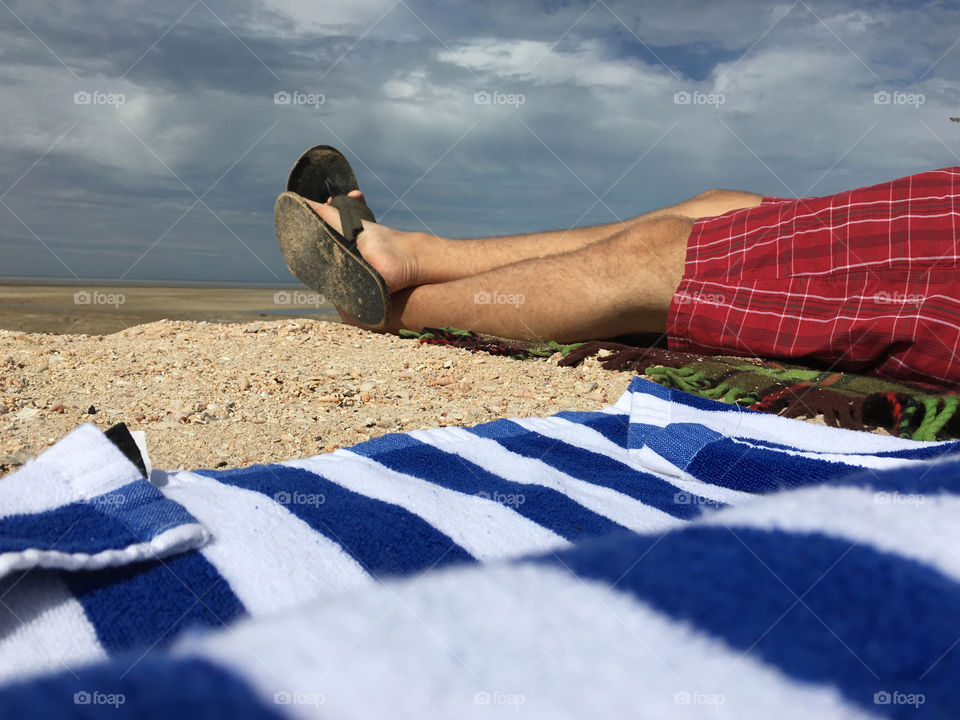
(247, 389)
(101, 309)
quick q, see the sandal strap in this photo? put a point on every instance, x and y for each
(352, 214)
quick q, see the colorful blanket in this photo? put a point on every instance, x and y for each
(857, 402)
(669, 556)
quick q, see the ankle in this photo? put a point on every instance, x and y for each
(430, 257)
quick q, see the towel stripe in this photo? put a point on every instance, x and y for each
(612, 426)
(620, 507)
(492, 456)
(574, 436)
(151, 603)
(42, 626)
(293, 562)
(485, 529)
(151, 689)
(130, 514)
(899, 524)
(548, 644)
(385, 539)
(547, 507)
(899, 619)
(652, 404)
(591, 468)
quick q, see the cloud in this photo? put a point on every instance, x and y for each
(600, 82)
(585, 65)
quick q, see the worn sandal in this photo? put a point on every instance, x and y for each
(329, 262)
(322, 172)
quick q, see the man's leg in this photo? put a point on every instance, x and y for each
(408, 259)
(620, 285)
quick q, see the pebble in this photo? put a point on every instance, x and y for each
(16, 458)
(27, 413)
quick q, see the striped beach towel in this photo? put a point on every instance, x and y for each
(669, 556)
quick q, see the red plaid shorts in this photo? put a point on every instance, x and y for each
(867, 280)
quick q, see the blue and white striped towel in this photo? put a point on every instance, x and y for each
(683, 558)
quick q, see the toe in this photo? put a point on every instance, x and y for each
(330, 214)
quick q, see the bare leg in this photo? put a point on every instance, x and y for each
(619, 285)
(406, 259)
(570, 285)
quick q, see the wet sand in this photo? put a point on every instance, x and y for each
(86, 309)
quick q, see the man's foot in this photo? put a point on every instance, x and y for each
(392, 253)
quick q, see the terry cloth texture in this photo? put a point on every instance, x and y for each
(868, 279)
(678, 552)
(666, 554)
(83, 505)
(856, 402)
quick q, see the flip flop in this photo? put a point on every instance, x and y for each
(322, 172)
(329, 262)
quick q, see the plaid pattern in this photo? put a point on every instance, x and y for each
(866, 280)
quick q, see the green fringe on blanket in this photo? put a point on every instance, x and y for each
(856, 402)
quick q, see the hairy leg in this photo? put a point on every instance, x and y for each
(619, 285)
(406, 259)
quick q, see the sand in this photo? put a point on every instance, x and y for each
(223, 395)
(100, 309)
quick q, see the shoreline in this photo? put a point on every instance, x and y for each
(91, 309)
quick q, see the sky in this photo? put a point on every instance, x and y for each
(148, 141)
